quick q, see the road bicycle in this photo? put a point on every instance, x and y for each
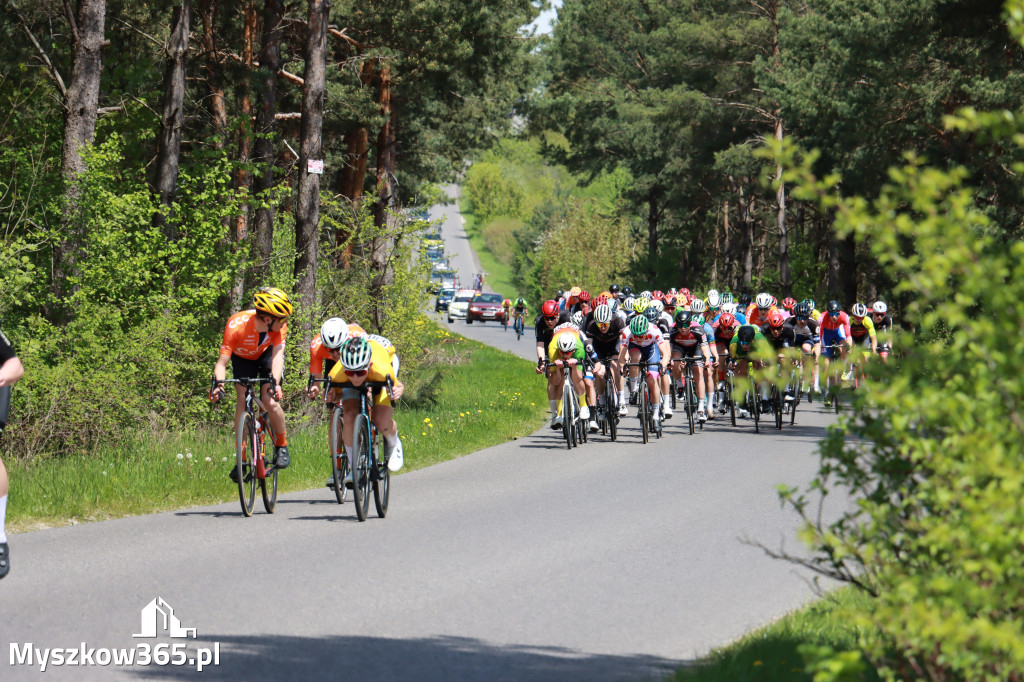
(518, 326)
(834, 379)
(727, 387)
(751, 397)
(335, 444)
(608, 412)
(572, 430)
(684, 387)
(252, 464)
(645, 412)
(370, 468)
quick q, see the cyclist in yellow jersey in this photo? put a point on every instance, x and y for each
(364, 359)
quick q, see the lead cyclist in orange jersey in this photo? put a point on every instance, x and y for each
(254, 345)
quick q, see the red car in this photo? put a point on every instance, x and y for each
(486, 308)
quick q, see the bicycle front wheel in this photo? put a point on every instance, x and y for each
(644, 410)
(381, 486)
(568, 418)
(339, 462)
(691, 404)
(361, 473)
(245, 463)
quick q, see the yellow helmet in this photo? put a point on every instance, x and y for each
(272, 301)
(641, 304)
(575, 291)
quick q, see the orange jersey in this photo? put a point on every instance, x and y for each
(242, 339)
(756, 317)
(318, 352)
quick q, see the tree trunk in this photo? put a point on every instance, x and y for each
(848, 270)
(747, 224)
(728, 269)
(652, 236)
(270, 64)
(214, 74)
(780, 200)
(173, 116)
(307, 208)
(243, 181)
(83, 97)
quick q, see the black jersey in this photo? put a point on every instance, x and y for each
(785, 339)
(543, 331)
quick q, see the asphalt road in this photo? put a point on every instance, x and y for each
(525, 561)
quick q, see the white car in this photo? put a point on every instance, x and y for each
(459, 306)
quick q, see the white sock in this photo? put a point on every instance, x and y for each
(392, 441)
(3, 517)
(633, 383)
(701, 404)
(350, 452)
(554, 407)
(657, 410)
(664, 399)
(622, 396)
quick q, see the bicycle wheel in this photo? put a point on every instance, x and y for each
(568, 429)
(777, 407)
(583, 426)
(674, 388)
(611, 410)
(796, 399)
(644, 410)
(381, 484)
(339, 462)
(361, 474)
(730, 387)
(691, 406)
(755, 407)
(268, 484)
(245, 469)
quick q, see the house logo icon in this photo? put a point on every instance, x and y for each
(158, 616)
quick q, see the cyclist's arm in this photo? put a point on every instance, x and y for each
(221, 368)
(277, 368)
(11, 369)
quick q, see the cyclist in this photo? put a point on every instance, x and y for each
(781, 337)
(365, 358)
(815, 313)
(805, 330)
(11, 370)
(700, 314)
(614, 291)
(572, 297)
(567, 348)
(506, 310)
(605, 329)
(519, 311)
(788, 305)
(862, 329)
(254, 345)
(646, 344)
(883, 325)
(758, 311)
(835, 332)
(689, 340)
(549, 317)
(749, 345)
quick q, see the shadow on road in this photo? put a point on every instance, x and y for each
(272, 657)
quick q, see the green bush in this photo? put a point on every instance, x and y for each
(932, 454)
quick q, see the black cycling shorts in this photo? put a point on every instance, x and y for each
(689, 352)
(252, 369)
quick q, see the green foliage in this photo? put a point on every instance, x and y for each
(491, 194)
(932, 454)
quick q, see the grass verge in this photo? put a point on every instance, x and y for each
(469, 396)
(497, 275)
(817, 642)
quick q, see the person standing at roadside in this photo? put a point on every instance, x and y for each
(10, 371)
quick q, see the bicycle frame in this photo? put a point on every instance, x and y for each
(251, 461)
(369, 469)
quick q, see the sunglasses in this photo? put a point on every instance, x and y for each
(356, 373)
(603, 325)
(833, 314)
(802, 318)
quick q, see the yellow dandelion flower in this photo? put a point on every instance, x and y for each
(426, 420)
(756, 663)
(424, 433)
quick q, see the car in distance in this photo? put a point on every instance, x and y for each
(459, 305)
(442, 279)
(444, 297)
(485, 308)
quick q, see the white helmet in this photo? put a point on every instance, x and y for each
(859, 309)
(763, 300)
(603, 314)
(714, 298)
(566, 342)
(729, 308)
(645, 294)
(658, 305)
(356, 353)
(577, 319)
(334, 332)
(697, 306)
(627, 304)
(880, 307)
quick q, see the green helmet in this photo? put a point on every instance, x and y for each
(639, 325)
(520, 301)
